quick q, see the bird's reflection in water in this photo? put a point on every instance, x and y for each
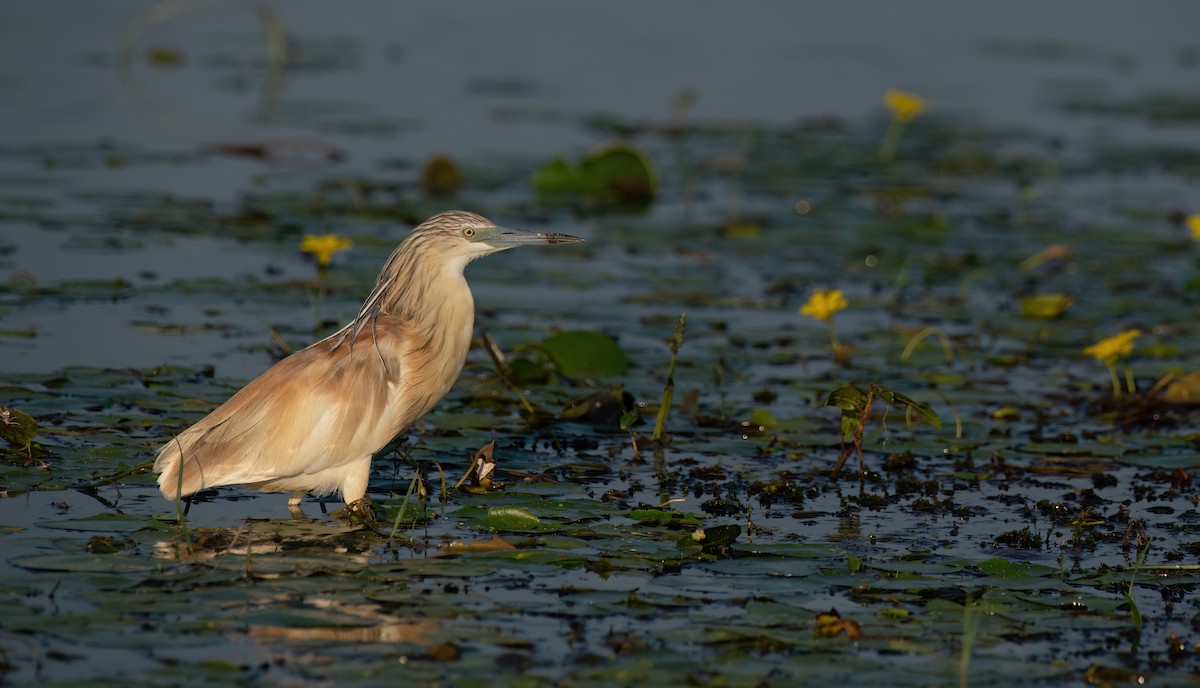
(417, 631)
(268, 548)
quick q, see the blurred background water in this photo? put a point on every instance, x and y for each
(443, 75)
(480, 81)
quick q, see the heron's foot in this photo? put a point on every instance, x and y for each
(361, 510)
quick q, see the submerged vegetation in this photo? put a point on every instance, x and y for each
(623, 515)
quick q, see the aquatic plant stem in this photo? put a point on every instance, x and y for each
(500, 361)
(1112, 375)
(917, 338)
(840, 352)
(887, 151)
(664, 407)
(833, 338)
(284, 348)
(317, 299)
(1135, 614)
(524, 400)
(403, 507)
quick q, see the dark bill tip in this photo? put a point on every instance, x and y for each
(552, 238)
(505, 237)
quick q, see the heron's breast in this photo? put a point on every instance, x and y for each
(432, 363)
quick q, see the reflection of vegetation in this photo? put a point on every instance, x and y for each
(972, 615)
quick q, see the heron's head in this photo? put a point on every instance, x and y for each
(459, 235)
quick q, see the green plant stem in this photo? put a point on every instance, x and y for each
(403, 507)
(833, 338)
(887, 151)
(1112, 375)
(1129, 382)
(917, 338)
(1135, 613)
(525, 403)
(317, 298)
(664, 407)
(501, 364)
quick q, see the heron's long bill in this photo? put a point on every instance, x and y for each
(506, 237)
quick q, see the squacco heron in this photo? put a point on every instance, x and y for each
(311, 423)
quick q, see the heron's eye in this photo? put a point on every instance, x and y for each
(468, 232)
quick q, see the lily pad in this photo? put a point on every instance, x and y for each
(511, 518)
(84, 563)
(581, 353)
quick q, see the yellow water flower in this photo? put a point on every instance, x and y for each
(1110, 351)
(1114, 348)
(823, 304)
(323, 246)
(1193, 223)
(904, 105)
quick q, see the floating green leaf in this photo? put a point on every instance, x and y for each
(1002, 568)
(583, 353)
(763, 418)
(511, 518)
(556, 176)
(666, 517)
(84, 563)
(618, 174)
(1045, 306)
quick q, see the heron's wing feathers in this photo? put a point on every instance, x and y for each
(318, 407)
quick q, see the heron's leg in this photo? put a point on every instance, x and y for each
(297, 497)
(354, 480)
(354, 490)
